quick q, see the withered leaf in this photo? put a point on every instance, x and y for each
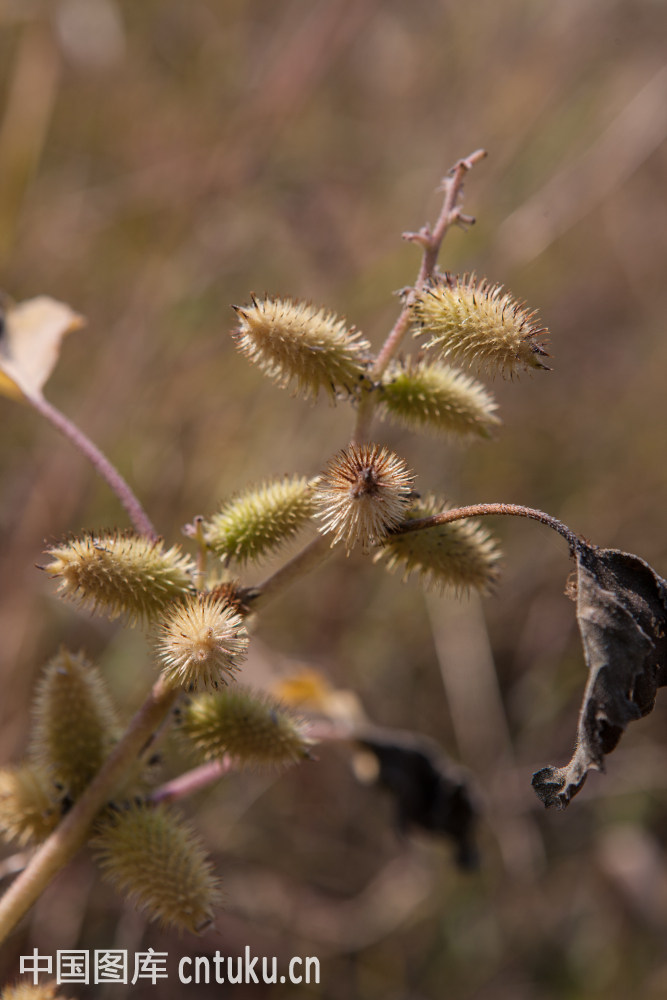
(622, 617)
(430, 792)
(31, 333)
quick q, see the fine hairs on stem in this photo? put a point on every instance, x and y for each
(488, 509)
(200, 610)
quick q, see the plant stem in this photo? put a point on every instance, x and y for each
(73, 831)
(308, 558)
(430, 241)
(192, 781)
(484, 509)
(120, 487)
(451, 213)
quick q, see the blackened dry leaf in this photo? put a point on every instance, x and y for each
(430, 793)
(622, 616)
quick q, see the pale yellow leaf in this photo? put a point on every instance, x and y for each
(30, 340)
(309, 690)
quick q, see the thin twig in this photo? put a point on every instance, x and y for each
(72, 833)
(484, 509)
(430, 241)
(120, 487)
(450, 214)
(308, 558)
(192, 781)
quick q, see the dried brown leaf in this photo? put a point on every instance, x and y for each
(31, 333)
(622, 617)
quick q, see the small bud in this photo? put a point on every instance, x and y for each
(362, 494)
(28, 810)
(439, 399)
(294, 340)
(250, 727)
(201, 643)
(479, 323)
(259, 521)
(155, 859)
(75, 723)
(121, 573)
(460, 554)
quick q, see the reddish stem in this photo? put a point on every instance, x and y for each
(484, 509)
(192, 781)
(120, 487)
(430, 241)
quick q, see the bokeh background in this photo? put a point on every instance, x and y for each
(161, 161)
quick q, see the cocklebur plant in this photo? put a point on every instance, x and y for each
(88, 781)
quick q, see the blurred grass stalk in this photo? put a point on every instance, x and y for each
(27, 115)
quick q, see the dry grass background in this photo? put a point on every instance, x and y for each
(160, 161)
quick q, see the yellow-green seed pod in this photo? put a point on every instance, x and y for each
(363, 493)
(250, 727)
(156, 860)
(295, 341)
(117, 573)
(26, 991)
(28, 809)
(473, 321)
(435, 398)
(75, 723)
(260, 520)
(461, 555)
(201, 643)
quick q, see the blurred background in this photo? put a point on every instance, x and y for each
(161, 161)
